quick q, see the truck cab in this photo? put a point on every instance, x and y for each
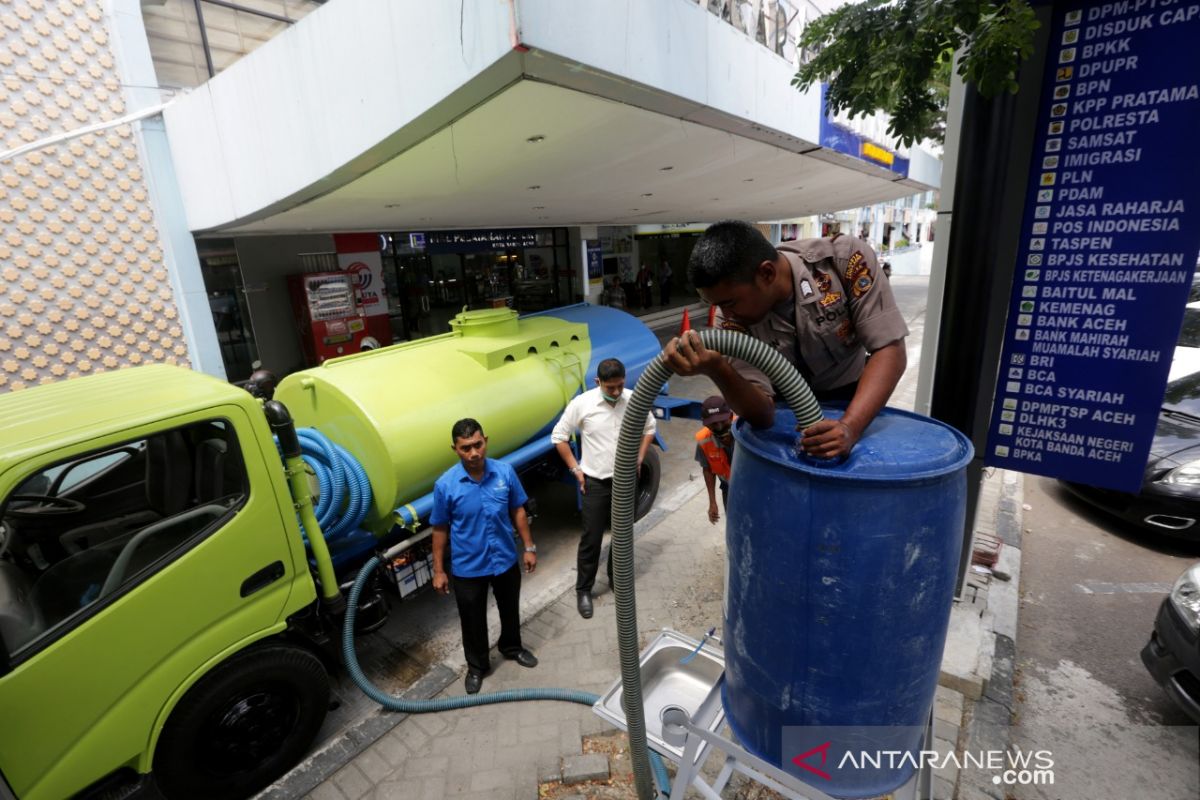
(121, 494)
(165, 622)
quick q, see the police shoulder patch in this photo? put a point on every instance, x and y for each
(862, 284)
(856, 265)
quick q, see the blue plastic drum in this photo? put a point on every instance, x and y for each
(839, 582)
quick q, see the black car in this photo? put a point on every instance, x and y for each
(1173, 653)
(1169, 501)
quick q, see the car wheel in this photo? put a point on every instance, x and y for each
(647, 485)
(243, 725)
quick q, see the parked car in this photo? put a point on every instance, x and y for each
(1169, 501)
(1172, 655)
(1186, 358)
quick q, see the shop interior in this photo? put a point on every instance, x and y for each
(431, 277)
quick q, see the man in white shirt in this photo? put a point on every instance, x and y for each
(597, 415)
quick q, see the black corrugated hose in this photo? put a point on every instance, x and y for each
(799, 397)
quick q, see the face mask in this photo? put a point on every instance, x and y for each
(612, 401)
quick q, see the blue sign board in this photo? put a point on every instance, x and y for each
(595, 261)
(1108, 244)
(841, 139)
(479, 241)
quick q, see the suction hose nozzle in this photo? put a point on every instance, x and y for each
(799, 397)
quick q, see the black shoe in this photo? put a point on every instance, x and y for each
(584, 603)
(473, 682)
(525, 659)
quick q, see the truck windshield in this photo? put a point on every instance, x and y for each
(84, 530)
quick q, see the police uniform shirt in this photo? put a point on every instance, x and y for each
(842, 309)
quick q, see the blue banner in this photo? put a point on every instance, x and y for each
(1108, 244)
(595, 261)
(841, 139)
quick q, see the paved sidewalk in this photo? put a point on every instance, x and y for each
(501, 751)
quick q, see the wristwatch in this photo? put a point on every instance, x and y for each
(576, 469)
(531, 548)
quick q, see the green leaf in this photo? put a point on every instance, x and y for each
(895, 56)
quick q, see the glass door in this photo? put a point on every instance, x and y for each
(227, 300)
(433, 290)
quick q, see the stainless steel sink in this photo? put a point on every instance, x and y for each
(671, 680)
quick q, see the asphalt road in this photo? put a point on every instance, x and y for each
(1090, 587)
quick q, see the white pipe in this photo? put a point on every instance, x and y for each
(84, 131)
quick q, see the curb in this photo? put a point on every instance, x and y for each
(990, 717)
(340, 750)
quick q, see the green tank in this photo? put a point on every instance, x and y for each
(393, 408)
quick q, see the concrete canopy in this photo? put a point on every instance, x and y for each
(690, 120)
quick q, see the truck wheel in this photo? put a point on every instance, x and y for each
(243, 725)
(647, 485)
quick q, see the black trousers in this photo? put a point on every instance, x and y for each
(597, 514)
(471, 596)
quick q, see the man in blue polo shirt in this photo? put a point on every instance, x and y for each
(476, 505)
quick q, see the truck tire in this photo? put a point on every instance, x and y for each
(242, 725)
(647, 485)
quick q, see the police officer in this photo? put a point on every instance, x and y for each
(823, 304)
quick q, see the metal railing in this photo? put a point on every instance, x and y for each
(242, 9)
(775, 24)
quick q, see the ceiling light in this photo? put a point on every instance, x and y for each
(536, 139)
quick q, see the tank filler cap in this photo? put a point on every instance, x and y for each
(485, 322)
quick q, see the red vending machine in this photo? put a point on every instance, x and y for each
(331, 322)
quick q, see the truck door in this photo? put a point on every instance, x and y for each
(123, 574)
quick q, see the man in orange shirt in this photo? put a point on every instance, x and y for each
(714, 451)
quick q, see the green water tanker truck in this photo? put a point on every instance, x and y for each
(169, 581)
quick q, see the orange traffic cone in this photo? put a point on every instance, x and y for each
(712, 316)
(687, 323)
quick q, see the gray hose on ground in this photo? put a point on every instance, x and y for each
(799, 397)
(412, 706)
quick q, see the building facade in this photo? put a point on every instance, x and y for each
(167, 166)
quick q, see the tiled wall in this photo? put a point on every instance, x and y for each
(83, 286)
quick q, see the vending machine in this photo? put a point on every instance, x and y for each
(331, 322)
